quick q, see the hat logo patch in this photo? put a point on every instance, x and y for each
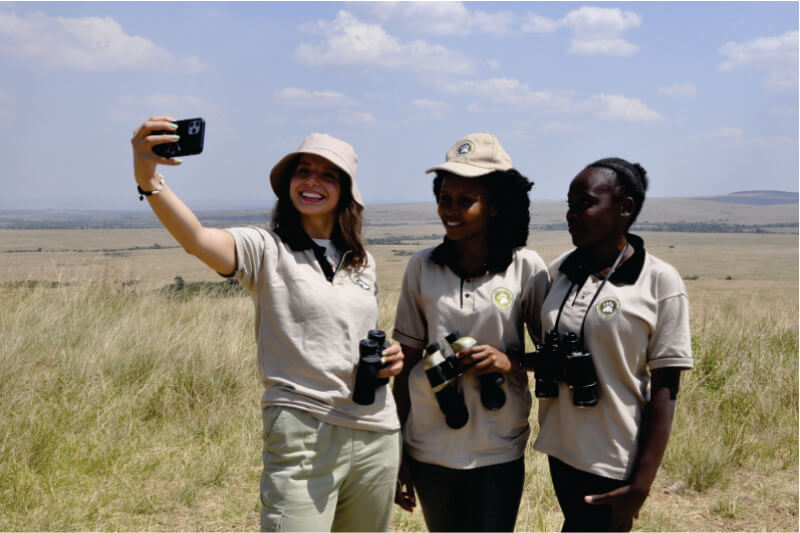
(502, 298)
(358, 280)
(608, 307)
(465, 148)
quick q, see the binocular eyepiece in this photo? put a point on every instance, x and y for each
(561, 358)
(369, 364)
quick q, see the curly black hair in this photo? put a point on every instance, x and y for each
(631, 181)
(508, 194)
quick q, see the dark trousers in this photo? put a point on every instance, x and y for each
(571, 485)
(478, 499)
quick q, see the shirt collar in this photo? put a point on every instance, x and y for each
(627, 273)
(446, 255)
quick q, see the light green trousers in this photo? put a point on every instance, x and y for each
(322, 477)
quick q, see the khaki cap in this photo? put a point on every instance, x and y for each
(475, 155)
(334, 150)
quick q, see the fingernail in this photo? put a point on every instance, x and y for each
(173, 126)
(383, 352)
(383, 360)
(178, 160)
(175, 137)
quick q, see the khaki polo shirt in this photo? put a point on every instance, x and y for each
(492, 308)
(638, 323)
(308, 330)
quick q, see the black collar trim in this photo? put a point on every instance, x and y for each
(446, 255)
(628, 272)
(299, 241)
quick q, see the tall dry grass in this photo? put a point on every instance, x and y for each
(126, 408)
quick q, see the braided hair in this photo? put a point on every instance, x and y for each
(631, 181)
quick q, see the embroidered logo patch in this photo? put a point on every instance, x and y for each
(607, 307)
(502, 298)
(361, 282)
(465, 148)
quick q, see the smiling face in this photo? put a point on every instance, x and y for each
(596, 216)
(315, 189)
(464, 208)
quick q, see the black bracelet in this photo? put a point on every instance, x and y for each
(143, 193)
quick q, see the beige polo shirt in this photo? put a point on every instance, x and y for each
(638, 323)
(308, 330)
(493, 308)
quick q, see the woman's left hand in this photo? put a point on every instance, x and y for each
(393, 358)
(482, 359)
(625, 503)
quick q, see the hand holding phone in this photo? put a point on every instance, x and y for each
(191, 132)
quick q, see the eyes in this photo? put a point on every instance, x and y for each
(462, 201)
(327, 175)
(580, 204)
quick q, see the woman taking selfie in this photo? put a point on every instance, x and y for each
(329, 463)
(622, 319)
(467, 463)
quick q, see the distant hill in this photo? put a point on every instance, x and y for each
(755, 198)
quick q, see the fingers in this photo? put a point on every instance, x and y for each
(392, 357)
(143, 140)
(482, 359)
(596, 499)
(404, 496)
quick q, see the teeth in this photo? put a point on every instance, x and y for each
(311, 195)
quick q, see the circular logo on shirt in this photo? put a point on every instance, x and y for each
(502, 298)
(361, 282)
(607, 307)
(465, 148)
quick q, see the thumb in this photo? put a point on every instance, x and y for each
(595, 499)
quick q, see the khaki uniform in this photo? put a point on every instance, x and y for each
(638, 323)
(492, 308)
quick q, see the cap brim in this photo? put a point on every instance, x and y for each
(460, 169)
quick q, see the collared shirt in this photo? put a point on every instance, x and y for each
(491, 306)
(639, 322)
(308, 328)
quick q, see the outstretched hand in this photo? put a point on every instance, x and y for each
(142, 142)
(625, 503)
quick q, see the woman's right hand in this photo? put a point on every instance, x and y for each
(404, 496)
(144, 160)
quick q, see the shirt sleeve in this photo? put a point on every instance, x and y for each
(252, 247)
(671, 342)
(410, 327)
(536, 284)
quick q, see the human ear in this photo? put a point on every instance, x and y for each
(626, 206)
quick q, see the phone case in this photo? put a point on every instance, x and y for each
(191, 132)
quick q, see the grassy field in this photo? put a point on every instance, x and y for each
(129, 407)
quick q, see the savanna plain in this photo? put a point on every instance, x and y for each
(130, 392)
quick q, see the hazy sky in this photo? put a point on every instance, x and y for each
(704, 95)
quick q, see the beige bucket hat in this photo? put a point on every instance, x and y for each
(334, 150)
(475, 155)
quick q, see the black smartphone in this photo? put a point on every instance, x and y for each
(190, 131)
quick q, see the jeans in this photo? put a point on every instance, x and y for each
(479, 499)
(571, 485)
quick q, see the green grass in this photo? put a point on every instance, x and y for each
(130, 409)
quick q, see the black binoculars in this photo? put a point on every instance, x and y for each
(369, 364)
(492, 395)
(443, 375)
(561, 358)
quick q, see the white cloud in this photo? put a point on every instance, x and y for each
(618, 108)
(678, 89)
(493, 64)
(436, 18)
(357, 117)
(352, 43)
(596, 30)
(304, 98)
(776, 56)
(428, 108)
(134, 109)
(510, 91)
(89, 43)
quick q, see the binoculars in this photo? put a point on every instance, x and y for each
(369, 364)
(443, 373)
(561, 358)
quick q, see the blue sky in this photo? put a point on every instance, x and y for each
(704, 95)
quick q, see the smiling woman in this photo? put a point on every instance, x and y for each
(329, 462)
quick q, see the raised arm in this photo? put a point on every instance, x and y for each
(214, 247)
